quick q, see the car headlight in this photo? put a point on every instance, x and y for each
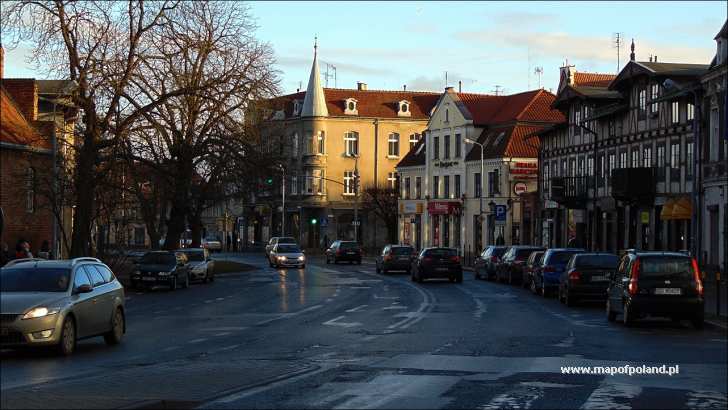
(301, 258)
(40, 312)
(281, 258)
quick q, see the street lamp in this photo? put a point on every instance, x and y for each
(283, 207)
(482, 169)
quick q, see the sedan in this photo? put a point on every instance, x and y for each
(287, 254)
(55, 303)
(200, 265)
(485, 264)
(437, 263)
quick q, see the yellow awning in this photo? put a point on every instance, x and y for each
(677, 208)
(666, 213)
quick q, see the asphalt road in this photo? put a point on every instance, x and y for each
(342, 336)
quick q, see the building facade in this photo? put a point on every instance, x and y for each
(449, 197)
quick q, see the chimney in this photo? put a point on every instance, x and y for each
(655, 57)
(460, 86)
(404, 87)
(361, 86)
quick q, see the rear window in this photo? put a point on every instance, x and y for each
(561, 257)
(349, 245)
(535, 257)
(402, 250)
(159, 259)
(524, 253)
(286, 240)
(660, 266)
(34, 279)
(597, 261)
(441, 252)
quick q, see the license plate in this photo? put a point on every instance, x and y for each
(350, 253)
(4, 331)
(668, 291)
(149, 279)
(598, 278)
(403, 258)
(442, 269)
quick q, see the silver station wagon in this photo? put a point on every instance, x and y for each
(55, 303)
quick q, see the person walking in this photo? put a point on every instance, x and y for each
(22, 249)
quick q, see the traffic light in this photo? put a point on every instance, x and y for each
(269, 181)
(313, 221)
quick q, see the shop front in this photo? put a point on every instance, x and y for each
(445, 220)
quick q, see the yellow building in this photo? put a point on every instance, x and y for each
(327, 134)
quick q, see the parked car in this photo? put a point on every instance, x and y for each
(55, 303)
(437, 263)
(286, 254)
(395, 257)
(161, 268)
(587, 277)
(510, 269)
(657, 284)
(485, 264)
(212, 244)
(275, 241)
(546, 277)
(344, 251)
(532, 264)
(200, 265)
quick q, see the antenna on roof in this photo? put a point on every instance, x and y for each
(497, 90)
(617, 39)
(445, 78)
(539, 72)
(327, 75)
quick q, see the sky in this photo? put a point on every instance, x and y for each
(483, 44)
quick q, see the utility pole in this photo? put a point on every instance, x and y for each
(618, 45)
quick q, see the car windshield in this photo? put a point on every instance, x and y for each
(597, 261)
(286, 240)
(402, 250)
(441, 252)
(195, 256)
(660, 266)
(158, 259)
(289, 249)
(34, 279)
(561, 257)
(349, 245)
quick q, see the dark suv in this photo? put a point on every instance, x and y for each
(395, 257)
(586, 277)
(437, 263)
(546, 277)
(658, 284)
(513, 261)
(162, 268)
(344, 251)
(486, 263)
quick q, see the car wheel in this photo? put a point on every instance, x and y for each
(113, 337)
(627, 314)
(568, 300)
(67, 343)
(698, 321)
(186, 283)
(611, 315)
(173, 285)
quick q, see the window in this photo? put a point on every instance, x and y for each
(404, 110)
(414, 139)
(611, 128)
(590, 166)
(647, 157)
(546, 177)
(458, 145)
(446, 151)
(447, 115)
(94, 275)
(30, 190)
(611, 164)
(436, 148)
(623, 159)
(675, 109)
(494, 182)
(350, 106)
(580, 169)
(458, 192)
(435, 186)
(675, 162)
(392, 180)
(564, 168)
(349, 183)
(105, 272)
(655, 94)
(577, 120)
(81, 278)
(393, 144)
(446, 186)
(572, 167)
(642, 96)
(418, 187)
(714, 146)
(691, 112)
(294, 185)
(689, 159)
(407, 188)
(319, 181)
(601, 170)
(661, 162)
(477, 185)
(635, 157)
(310, 147)
(295, 145)
(321, 143)
(351, 140)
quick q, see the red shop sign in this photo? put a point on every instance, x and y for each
(443, 207)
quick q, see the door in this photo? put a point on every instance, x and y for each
(616, 285)
(83, 305)
(101, 301)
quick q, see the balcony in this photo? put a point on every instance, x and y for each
(570, 192)
(314, 160)
(634, 185)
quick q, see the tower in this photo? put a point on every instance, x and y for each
(314, 104)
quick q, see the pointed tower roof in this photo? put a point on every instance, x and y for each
(314, 104)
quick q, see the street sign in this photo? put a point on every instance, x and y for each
(324, 221)
(520, 188)
(500, 214)
(356, 223)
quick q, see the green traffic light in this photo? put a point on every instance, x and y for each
(313, 221)
(269, 181)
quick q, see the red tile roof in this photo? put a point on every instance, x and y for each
(14, 127)
(516, 141)
(526, 106)
(593, 79)
(370, 103)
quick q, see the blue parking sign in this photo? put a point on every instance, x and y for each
(500, 213)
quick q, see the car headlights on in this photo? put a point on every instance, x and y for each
(281, 258)
(301, 258)
(40, 312)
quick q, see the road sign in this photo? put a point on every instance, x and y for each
(500, 214)
(324, 221)
(356, 223)
(520, 188)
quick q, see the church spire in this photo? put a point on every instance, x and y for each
(314, 104)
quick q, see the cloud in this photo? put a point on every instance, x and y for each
(523, 18)
(437, 82)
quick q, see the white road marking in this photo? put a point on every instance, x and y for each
(169, 349)
(209, 301)
(335, 322)
(220, 299)
(385, 297)
(223, 349)
(287, 315)
(611, 395)
(360, 287)
(395, 307)
(356, 309)
(223, 328)
(194, 341)
(222, 334)
(706, 400)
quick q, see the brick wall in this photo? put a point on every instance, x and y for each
(34, 227)
(25, 94)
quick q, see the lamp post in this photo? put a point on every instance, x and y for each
(283, 206)
(482, 172)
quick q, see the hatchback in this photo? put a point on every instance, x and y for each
(287, 254)
(344, 251)
(485, 264)
(587, 277)
(201, 266)
(546, 277)
(532, 264)
(513, 261)
(657, 284)
(437, 263)
(395, 258)
(55, 303)
(162, 268)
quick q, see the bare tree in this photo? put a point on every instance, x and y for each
(382, 202)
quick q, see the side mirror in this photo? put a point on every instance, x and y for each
(85, 288)
(303, 251)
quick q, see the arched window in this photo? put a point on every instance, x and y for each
(404, 109)
(351, 106)
(351, 142)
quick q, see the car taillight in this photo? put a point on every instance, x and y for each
(338, 252)
(634, 277)
(455, 259)
(427, 259)
(696, 274)
(388, 258)
(575, 275)
(494, 259)
(549, 269)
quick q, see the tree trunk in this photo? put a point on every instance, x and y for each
(196, 227)
(180, 205)
(85, 185)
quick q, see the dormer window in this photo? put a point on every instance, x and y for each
(297, 107)
(350, 106)
(404, 109)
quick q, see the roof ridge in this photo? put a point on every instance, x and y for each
(535, 97)
(383, 91)
(593, 73)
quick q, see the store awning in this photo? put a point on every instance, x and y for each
(677, 208)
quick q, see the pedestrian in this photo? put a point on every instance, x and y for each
(22, 249)
(45, 250)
